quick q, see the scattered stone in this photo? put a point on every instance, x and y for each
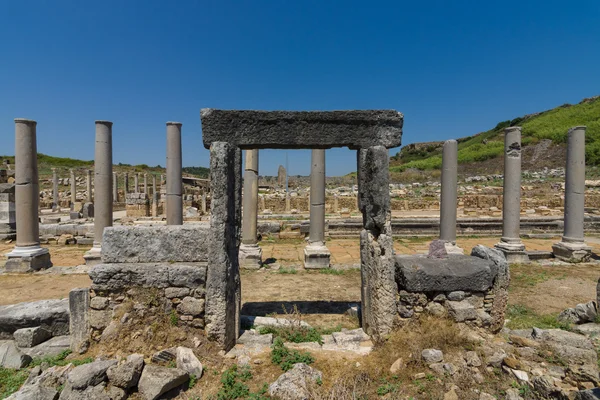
(589, 394)
(89, 374)
(350, 339)
(164, 355)
(156, 381)
(36, 391)
(50, 314)
(99, 303)
(523, 341)
(251, 337)
(581, 314)
(435, 309)
(486, 396)
(295, 383)
(187, 361)
(458, 295)
(431, 356)
(127, 374)
(513, 394)
(11, 356)
(472, 359)
(397, 366)
(437, 249)
(49, 348)
(29, 337)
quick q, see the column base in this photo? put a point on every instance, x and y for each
(452, 248)
(513, 252)
(316, 256)
(27, 259)
(250, 256)
(572, 252)
(93, 256)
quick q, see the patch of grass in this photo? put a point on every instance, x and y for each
(174, 318)
(11, 380)
(522, 317)
(290, 270)
(60, 360)
(233, 385)
(297, 335)
(522, 278)
(331, 271)
(286, 358)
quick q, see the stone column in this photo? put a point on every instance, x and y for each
(250, 252)
(204, 203)
(223, 287)
(448, 198)
(174, 185)
(572, 247)
(335, 203)
(379, 288)
(155, 197)
(510, 243)
(73, 189)
(136, 182)
(103, 202)
(55, 197)
(146, 184)
(262, 203)
(89, 186)
(288, 203)
(115, 188)
(153, 184)
(27, 255)
(316, 254)
(126, 183)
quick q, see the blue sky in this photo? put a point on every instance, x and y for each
(454, 68)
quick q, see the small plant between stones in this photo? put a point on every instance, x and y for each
(286, 358)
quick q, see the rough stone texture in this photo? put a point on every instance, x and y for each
(11, 356)
(49, 348)
(250, 129)
(432, 356)
(188, 362)
(589, 394)
(117, 277)
(191, 306)
(127, 374)
(98, 392)
(143, 244)
(52, 315)
(79, 302)
(378, 286)
(295, 383)
(89, 374)
(580, 314)
(156, 380)
(461, 311)
(36, 391)
(29, 337)
(223, 286)
(457, 272)
(437, 249)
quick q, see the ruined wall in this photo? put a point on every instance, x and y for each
(137, 205)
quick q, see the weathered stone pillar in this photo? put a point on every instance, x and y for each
(204, 203)
(510, 243)
(250, 252)
(146, 183)
(27, 255)
(136, 182)
(174, 184)
(115, 188)
(288, 203)
(223, 288)
(55, 197)
(316, 254)
(88, 184)
(73, 189)
(126, 184)
(8, 222)
(379, 288)
(262, 202)
(335, 203)
(448, 198)
(103, 202)
(572, 247)
(153, 184)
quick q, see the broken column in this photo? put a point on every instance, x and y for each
(103, 202)
(448, 198)
(572, 247)
(316, 254)
(174, 183)
(378, 288)
(510, 243)
(73, 189)
(250, 252)
(55, 197)
(27, 255)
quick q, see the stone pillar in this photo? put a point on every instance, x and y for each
(55, 197)
(378, 288)
(223, 276)
(136, 182)
(88, 183)
(73, 189)
(288, 203)
(335, 203)
(250, 256)
(510, 243)
(572, 247)
(153, 184)
(115, 188)
(27, 255)
(103, 202)
(146, 183)
(204, 203)
(126, 184)
(448, 198)
(262, 202)
(316, 254)
(8, 222)
(174, 185)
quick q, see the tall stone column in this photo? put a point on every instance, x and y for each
(103, 202)
(146, 184)
(73, 189)
(126, 184)
(155, 197)
(115, 188)
(174, 184)
(250, 252)
(335, 203)
(510, 243)
(27, 255)
(55, 197)
(448, 198)
(88, 183)
(136, 182)
(153, 184)
(572, 247)
(316, 254)
(288, 202)
(204, 203)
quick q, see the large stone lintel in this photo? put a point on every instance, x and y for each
(572, 252)
(249, 129)
(250, 256)
(27, 259)
(316, 256)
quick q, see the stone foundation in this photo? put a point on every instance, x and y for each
(137, 205)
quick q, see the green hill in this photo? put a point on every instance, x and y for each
(548, 128)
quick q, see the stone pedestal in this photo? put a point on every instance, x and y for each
(27, 259)
(572, 252)
(316, 254)
(250, 256)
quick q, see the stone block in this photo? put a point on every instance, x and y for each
(29, 337)
(88, 210)
(461, 311)
(191, 306)
(52, 315)
(118, 277)
(155, 244)
(28, 263)
(455, 273)
(11, 356)
(156, 381)
(302, 129)
(316, 256)
(79, 301)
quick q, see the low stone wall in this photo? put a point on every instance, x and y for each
(469, 289)
(7, 211)
(137, 205)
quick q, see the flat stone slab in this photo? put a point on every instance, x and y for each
(115, 277)
(457, 272)
(154, 244)
(49, 348)
(252, 129)
(52, 315)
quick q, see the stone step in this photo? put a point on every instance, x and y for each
(540, 255)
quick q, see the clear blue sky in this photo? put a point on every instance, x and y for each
(454, 68)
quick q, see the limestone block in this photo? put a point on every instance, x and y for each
(50, 314)
(118, 277)
(11, 356)
(156, 381)
(89, 374)
(29, 337)
(79, 301)
(127, 374)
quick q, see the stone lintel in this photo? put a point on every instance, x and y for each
(252, 129)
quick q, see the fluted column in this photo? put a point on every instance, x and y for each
(174, 184)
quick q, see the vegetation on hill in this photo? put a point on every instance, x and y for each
(200, 172)
(552, 124)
